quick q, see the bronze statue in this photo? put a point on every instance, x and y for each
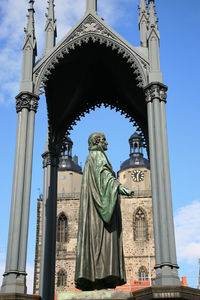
(100, 259)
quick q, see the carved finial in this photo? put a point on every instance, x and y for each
(50, 28)
(143, 6)
(91, 6)
(152, 13)
(153, 38)
(30, 25)
(51, 14)
(31, 3)
(29, 51)
(30, 28)
(143, 22)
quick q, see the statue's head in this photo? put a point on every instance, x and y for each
(96, 140)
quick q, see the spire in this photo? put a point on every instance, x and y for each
(50, 28)
(29, 51)
(152, 14)
(143, 22)
(91, 6)
(153, 39)
(30, 28)
(143, 5)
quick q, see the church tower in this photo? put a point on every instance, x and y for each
(137, 219)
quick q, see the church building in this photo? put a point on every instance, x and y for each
(138, 240)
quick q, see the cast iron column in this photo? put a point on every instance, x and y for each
(49, 211)
(15, 273)
(166, 262)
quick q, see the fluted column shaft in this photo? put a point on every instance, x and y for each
(48, 245)
(166, 262)
(15, 272)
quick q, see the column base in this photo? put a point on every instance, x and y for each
(167, 292)
(167, 276)
(14, 283)
(19, 297)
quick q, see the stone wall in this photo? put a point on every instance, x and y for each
(137, 253)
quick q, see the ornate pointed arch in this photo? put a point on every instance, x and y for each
(62, 228)
(138, 67)
(61, 278)
(91, 43)
(91, 29)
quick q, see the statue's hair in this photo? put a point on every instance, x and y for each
(94, 139)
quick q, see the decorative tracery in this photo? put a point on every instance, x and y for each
(95, 38)
(140, 225)
(62, 228)
(92, 30)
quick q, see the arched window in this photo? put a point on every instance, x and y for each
(62, 228)
(140, 225)
(142, 274)
(61, 278)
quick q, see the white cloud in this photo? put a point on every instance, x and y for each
(29, 279)
(187, 224)
(2, 270)
(111, 11)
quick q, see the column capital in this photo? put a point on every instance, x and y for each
(156, 90)
(167, 264)
(26, 100)
(50, 158)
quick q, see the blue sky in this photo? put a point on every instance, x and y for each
(179, 50)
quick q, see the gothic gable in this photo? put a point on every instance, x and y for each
(92, 28)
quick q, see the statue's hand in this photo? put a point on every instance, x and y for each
(124, 191)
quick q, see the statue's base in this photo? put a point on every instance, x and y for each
(167, 292)
(95, 295)
(158, 293)
(16, 296)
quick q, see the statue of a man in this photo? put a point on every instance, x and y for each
(100, 259)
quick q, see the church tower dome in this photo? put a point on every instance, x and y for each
(136, 154)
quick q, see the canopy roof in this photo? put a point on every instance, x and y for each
(90, 66)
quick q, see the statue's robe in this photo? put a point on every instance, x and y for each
(100, 259)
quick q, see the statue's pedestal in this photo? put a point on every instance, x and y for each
(152, 293)
(167, 292)
(95, 295)
(18, 297)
